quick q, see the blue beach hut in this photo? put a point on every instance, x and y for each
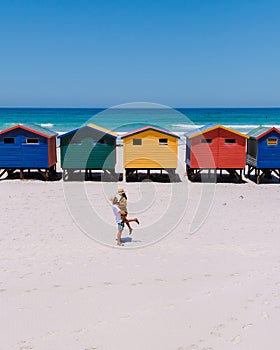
(263, 152)
(27, 147)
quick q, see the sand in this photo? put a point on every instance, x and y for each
(174, 284)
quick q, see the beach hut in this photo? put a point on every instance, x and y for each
(215, 147)
(88, 148)
(27, 147)
(150, 148)
(263, 152)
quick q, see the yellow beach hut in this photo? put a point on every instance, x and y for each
(150, 148)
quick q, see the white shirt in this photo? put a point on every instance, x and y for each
(116, 211)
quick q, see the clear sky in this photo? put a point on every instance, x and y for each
(99, 53)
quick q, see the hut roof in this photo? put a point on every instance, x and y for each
(36, 129)
(206, 128)
(100, 128)
(261, 131)
(94, 127)
(149, 127)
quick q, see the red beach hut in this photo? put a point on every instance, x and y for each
(215, 147)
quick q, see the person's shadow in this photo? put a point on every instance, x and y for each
(126, 239)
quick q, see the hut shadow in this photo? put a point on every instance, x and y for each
(273, 180)
(32, 175)
(96, 176)
(204, 177)
(153, 177)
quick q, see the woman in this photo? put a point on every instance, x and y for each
(122, 203)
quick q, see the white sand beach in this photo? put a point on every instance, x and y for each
(214, 288)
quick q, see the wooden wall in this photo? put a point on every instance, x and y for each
(268, 155)
(218, 153)
(150, 155)
(23, 155)
(87, 148)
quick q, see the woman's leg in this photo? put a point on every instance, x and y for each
(133, 220)
(124, 219)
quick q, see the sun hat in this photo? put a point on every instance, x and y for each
(121, 190)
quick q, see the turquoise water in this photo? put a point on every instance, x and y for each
(177, 120)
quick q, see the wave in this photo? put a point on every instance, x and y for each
(47, 125)
(233, 126)
(9, 124)
(187, 126)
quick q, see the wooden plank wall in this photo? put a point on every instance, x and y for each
(150, 155)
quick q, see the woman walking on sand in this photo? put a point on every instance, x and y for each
(122, 203)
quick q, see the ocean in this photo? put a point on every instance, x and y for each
(178, 120)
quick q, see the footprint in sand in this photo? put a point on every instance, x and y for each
(247, 326)
(220, 326)
(159, 280)
(107, 283)
(125, 317)
(191, 347)
(236, 339)
(217, 329)
(24, 345)
(265, 315)
(169, 307)
(136, 284)
(216, 334)
(80, 331)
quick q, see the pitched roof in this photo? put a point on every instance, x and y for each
(100, 128)
(206, 128)
(149, 127)
(261, 131)
(36, 129)
(93, 127)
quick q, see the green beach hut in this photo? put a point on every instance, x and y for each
(88, 148)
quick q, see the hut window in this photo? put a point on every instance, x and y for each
(9, 140)
(230, 141)
(163, 142)
(272, 141)
(206, 141)
(32, 140)
(137, 142)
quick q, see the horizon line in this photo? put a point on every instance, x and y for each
(167, 107)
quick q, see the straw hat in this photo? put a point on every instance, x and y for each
(121, 190)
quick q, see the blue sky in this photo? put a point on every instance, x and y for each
(97, 53)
